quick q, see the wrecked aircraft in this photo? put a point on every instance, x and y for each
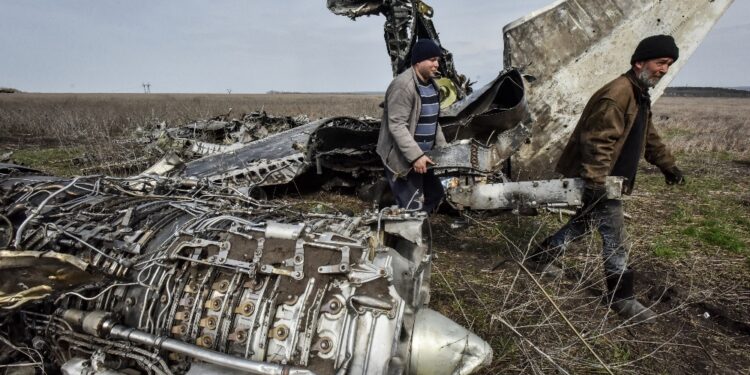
(512, 129)
(179, 270)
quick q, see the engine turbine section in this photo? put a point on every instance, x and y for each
(190, 278)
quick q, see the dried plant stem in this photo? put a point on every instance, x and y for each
(557, 308)
(458, 300)
(540, 351)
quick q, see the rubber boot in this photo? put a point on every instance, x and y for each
(621, 299)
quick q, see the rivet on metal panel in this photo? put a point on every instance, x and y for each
(239, 336)
(214, 304)
(254, 284)
(205, 341)
(179, 329)
(280, 333)
(221, 286)
(209, 322)
(325, 344)
(245, 308)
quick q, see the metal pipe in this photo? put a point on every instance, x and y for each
(99, 324)
(36, 211)
(122, 332)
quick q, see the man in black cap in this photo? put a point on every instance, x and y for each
(410, 128)
(613, 132)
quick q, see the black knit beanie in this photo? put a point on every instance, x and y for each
(425, 49)
(655, 47)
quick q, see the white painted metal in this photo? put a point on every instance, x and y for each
(574, 47)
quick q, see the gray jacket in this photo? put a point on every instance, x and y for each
(396, 144)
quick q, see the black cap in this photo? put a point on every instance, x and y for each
(425, 49)
(655, 47)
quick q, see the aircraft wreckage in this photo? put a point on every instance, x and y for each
(132, 277)
(179, 270)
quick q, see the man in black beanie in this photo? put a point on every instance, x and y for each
(410, 128)
(613, 132)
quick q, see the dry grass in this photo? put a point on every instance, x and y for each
(65, 119)
(88, 131)
(696, 125)
(477, 282)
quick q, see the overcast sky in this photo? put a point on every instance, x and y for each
(256, 46)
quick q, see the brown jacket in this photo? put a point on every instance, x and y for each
(396, 144)
(596, 142)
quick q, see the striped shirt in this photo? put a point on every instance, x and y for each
(428, 116)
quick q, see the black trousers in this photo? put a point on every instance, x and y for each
(608, 219)
(416, 190)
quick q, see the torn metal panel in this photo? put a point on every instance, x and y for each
(467, 157)
(489, 111)
(410, 232)
(574, 47)
(287, 146)
(354, 8)
(215, 135)
(338, 143)
(223, 130)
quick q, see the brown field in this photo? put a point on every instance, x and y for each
(48, 119)
(696, 125)
(691, 243)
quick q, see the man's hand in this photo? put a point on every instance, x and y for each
(673, 176)
(420, 165)
(593, 194)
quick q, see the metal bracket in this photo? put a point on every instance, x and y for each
(341, 267)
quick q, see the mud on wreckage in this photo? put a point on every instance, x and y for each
(167, 276)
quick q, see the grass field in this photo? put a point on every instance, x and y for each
(691, 243)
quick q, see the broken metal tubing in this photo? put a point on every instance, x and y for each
(97, 322)
(556, 193)
(441, 346)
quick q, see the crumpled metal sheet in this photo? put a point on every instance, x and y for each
(574, 47)
(489, 111)
(354, 8)
(339, 143)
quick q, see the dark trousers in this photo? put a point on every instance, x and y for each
(608, 219)
(416, 191)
